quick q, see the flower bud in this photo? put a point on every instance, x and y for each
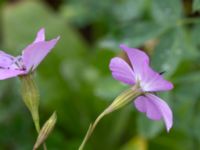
(45, 131)
(124, 98)
(30, 95)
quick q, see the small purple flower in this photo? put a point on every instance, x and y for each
(31, 57)
(149, 81)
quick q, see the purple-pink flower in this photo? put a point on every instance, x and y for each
(31, 57)
(148, 80)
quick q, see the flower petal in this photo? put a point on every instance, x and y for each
(5, 60)
(152, 81)
(121, 71)
(140, 103)
(36, 52)
(8, 73)
(155, 109)
(143, 104)
(40, 36)
(137, 59)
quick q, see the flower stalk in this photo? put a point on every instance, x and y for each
(30, 96)
(122, 100)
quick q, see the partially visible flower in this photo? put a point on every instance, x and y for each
(23, 66)
(149, 81)
(31, 57)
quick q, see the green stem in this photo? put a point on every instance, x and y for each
(122, 100)
(120, 123)
(91, 129)
(30, 95)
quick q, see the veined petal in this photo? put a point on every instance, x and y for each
(40, 36)
(36, 52)
(5, 60)
(155, 109)
(8, 73)
(137, 59)
(152, 81)
(121, 71)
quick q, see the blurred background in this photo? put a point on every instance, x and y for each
(75, 79)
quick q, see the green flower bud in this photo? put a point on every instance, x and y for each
(124, 98)
(30, 95)
(45, 131)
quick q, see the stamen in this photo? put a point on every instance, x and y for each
(18, 64)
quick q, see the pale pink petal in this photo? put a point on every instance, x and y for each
(40, 36)
(5, 60)
(36, 52)
(137, 59)
(121, 71)
(152, 81)
(143, 104)
(7, 73)
(155, 109)
(140, 103)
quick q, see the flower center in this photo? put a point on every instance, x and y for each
(17, 64)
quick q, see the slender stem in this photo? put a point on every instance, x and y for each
(30, 95)
(88, 134)
(119, 127)
(37, 127)
(123, 99)
(91, 129)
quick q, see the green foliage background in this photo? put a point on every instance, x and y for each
(75, 79)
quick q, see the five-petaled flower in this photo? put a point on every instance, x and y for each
(148, 80)
(31, 57)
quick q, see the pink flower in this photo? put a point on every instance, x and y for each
(149, 82)
(31, 57)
